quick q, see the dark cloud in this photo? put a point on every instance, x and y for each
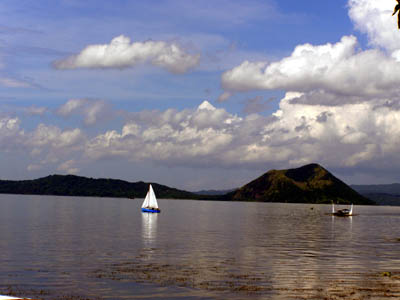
(256, 105)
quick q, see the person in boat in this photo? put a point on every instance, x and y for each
(342, 212)
(396, 9)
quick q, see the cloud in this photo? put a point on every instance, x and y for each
(49, 145)
(35, 110)
(353, 136)
(121, 53)
(53, 137)
(256, 105)
(340, 69)
(92, 111)
(375, 19)
(14, 83)
(71, 107)
(8, 124)
(11, 82)
(362, 134)
(318, 97)
(224, 96)
(9, 132)
(345, 108)
(343, 112)
(188, 137)
(69, 167)
(34, 167)
(45, 144)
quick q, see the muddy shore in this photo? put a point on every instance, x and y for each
(221, 281)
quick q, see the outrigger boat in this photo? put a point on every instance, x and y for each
(150, 204)
(342, 212)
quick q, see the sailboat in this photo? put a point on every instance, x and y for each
(342, 212)
(150, 204)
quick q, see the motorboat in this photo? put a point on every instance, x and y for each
(342, 212)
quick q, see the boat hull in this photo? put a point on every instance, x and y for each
(341, 215)
(151, 210)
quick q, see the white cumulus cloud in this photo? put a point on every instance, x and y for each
(10, 133)
(334, 73)
(375, 19)
(360, 134)
(341, 69)
(92, 111)
(53, 137)
(353, 136)
(190, 136)
(122, 53)
(68, 167)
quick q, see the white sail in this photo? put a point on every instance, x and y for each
(146, 200)
(152, 198)
(150, 201)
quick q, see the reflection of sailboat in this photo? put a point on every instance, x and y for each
(342, 212)
(150, 204)
(149, 237)
(149, 227)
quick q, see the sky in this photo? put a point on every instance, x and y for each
(199, 94)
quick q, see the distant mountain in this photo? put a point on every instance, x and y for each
(308, 184)
(390, 189)
(382, 194)
(214, 192)
(70, 185)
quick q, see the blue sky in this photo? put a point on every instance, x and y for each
(117, 89)
(35, 33)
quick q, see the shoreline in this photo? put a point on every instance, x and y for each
(378, 285)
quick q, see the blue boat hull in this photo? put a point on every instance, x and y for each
(150, 210)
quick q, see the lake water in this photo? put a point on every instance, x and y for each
(99, 248)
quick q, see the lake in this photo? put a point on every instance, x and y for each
(102, 248)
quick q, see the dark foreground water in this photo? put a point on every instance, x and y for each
(95, 248)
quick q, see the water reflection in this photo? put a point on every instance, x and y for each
(275, 251)
(149, 228)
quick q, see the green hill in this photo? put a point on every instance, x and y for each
(308, 184)
(70, 185)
